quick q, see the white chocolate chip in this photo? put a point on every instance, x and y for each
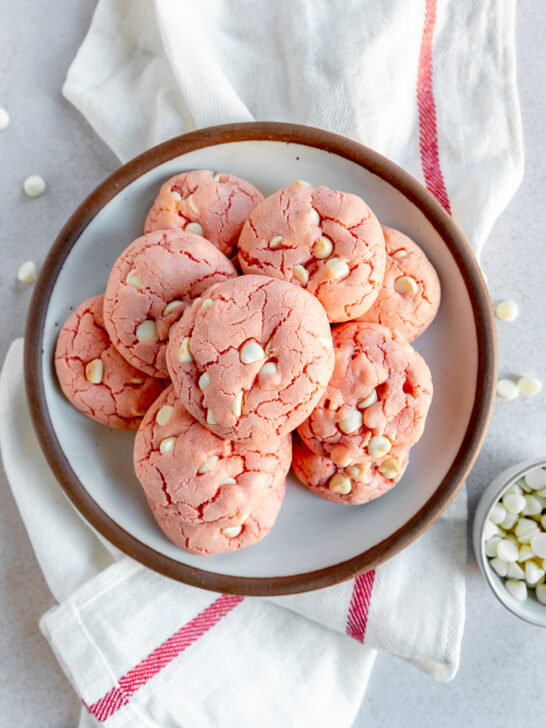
(507, 310)
(237, 404)
(269, 347)
(354, 470)
(206, 305)
(507, 389)
(517, 589)
(491, 546)
(323, 248)
(4, 119)
(351, 422)
(507, 550)
(509, 520)
(210, 418)
(533, 573)
(538, 545)
(193, 207)
(171, 329)
(340, 483)
(204, 381)
(164, 414)
(27, 272)
(525, 553)
(216, 176)
(133, 280)
(379, 446)
(543, 521)
(147, 331)
(514, 503)
(302, 182)
(94, 371)
(315, 217)
(499, 566)
(136, 380)
(167, 445)
(176, 194)
(34, 186)
(533, 507)
(529, 386)
(406, 286)
(368, 401)
(540, 591)
(300, 274)
(228, 481)
(184, 353)
(498, 514)
(250, 352)
(208, 464)
(195, 228)
(390, 468)
(275, 242)
(489, 530)
(172, 306)
(536, 479)
(515, 488)
(400, 253)
(525, 530)
(268, 368)
(336, 269)
(232, 531)
(514, 571)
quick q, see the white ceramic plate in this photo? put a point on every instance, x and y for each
(314, 543)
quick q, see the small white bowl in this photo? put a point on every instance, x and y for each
(531, 610)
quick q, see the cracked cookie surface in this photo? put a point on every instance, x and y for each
(151, 283)
(378, 396)
(217, 203)
(251, 359)
(95, 377)
(326, 241)
(410, 295)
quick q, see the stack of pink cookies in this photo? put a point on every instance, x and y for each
(217, 369)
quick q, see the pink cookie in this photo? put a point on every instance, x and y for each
(95, 377)
(252, 360)
(329, 242)
(378, 396)
(197, 477)
(150, 285)
(353, 485)
(410, 295)
(206, 203)
(206, 539)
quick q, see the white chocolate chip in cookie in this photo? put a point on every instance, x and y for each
(300, 274)
(164, 414)
(94, 371)
(336, 269)
(204, 381)
(302, 182)
(136, 380)
(184, 353)
(206, 305)
(195, 228)
(193, 207)
(133, 279)
(368, 401)
(390, 468)
(269, 368)
(172, 306)
(237, 404)
(176, 194)
(210, 418)
(216, 176)
(167, 445)
(208, 464)
(275, 242)
(379, 446)
(406, 286)
(340, 483)
(315, 217)
(357, 470)
(228, 481)
(147, 331)
(323, 248)
(27, 272)
(400, 253)
(232, 531)
(351, 422)
(250, 352)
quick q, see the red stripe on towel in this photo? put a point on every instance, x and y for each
(164, 654)
(357, 617)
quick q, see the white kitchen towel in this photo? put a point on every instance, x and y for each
(140, 649)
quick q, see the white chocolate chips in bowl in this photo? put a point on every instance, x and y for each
(510, 539)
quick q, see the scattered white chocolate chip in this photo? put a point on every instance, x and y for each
(268, 368)
(172, 306)
(228, 481)
(195, 228)
(406, 286)
(4, 119)
(27, 272)
(206, 305)
(336, 268)
(300, 274)
(133, 280)
(204, 381)
(167, 445)
(533, 573)
(379, 446)
(507, 389)
(514, 502)
(536, 479)
(232, 531)
(529, 386)
(237, 404)
(390, 468)
(250, 352)
(517, 589)
(210, 418)
(368, 401)
(498, 514)
(184, 353)
(514, 571)
(340, 483)
(164, 414)
(507, 310)
(275, 242)
(507, 550)
(351, 422)
(34, 186)
(136, 380)
(538, 545)
(400, 253)
(94, 371)
(208, 464)
(323, 247)
(499, 566)
(147, 331)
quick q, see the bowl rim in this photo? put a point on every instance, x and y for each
(485, 375)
